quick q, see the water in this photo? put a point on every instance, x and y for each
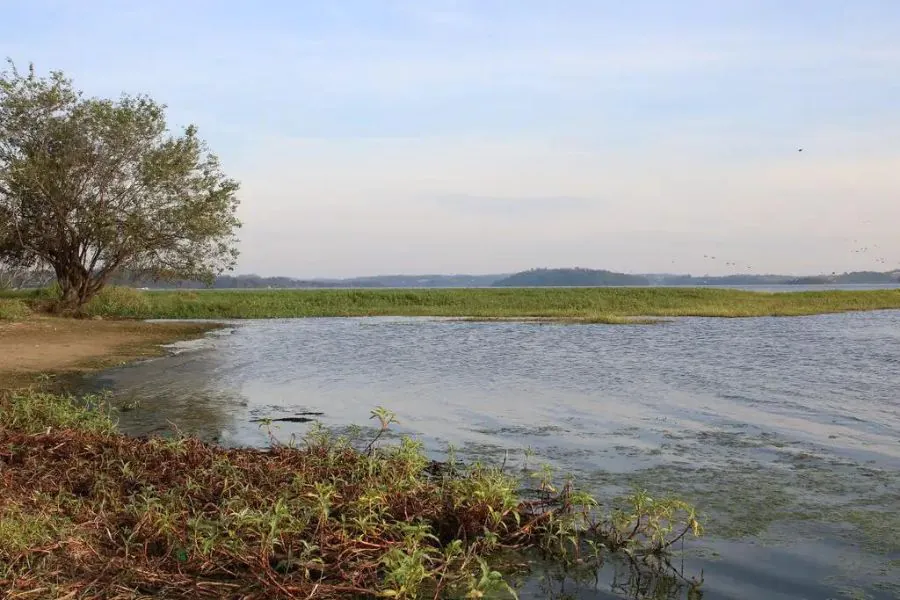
(787, 288)
(785, 432)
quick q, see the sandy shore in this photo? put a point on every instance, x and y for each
(70, 346)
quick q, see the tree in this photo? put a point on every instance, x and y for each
(17, 272)
(17, 268)
(91, 187)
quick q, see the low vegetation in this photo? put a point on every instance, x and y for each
(88, 513)
(117, 300)
(605, 305)
(13, 309)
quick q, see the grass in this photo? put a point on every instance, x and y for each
(86, 512)
(600, 305)
(13, 309)
(117, 299)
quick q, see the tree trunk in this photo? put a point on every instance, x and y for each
(69, 300)
(74, 288)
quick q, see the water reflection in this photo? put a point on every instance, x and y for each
(617, 577)
(177, 394)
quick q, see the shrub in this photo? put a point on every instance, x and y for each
(90, 513)
(119, 302)
(48, 292)
(13, 310)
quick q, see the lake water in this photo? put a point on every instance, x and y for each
(784, 432)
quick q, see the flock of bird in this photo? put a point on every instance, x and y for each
(856, 250)
(865, 250)
(730, 263)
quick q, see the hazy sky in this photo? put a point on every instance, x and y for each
(491, 136)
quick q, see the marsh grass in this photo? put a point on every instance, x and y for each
(89, 513)
(592, 305)
(576, 305)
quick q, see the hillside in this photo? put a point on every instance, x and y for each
(570, 278)
(573, 277)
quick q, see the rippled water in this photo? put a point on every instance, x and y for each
(785, 432)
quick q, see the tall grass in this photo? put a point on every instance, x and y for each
(119, 301)
(13, 309)
(594, 304)
(88, 513)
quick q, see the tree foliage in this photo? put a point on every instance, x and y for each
(92, 187)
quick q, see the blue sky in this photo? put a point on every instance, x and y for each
(486, 136)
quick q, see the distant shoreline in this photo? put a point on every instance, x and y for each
(753, 287)
(565, 277)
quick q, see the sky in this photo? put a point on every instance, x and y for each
(491, 136)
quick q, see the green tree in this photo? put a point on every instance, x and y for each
(92, 187)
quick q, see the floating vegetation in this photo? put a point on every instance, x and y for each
(89, 513)
(776, 492)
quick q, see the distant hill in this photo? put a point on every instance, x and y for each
(858, 277)
(691, 280)
(425, 281)
(576, 277)
(378, 281)
(570, 278)
(867, 277)
(599, 278)
(813, 280)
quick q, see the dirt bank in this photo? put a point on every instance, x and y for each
(71, 346)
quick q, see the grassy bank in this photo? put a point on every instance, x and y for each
(588, 304)
(86, 512)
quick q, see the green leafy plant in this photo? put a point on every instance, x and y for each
(385, 418)
(83, 507)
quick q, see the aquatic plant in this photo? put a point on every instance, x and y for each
(90, 513)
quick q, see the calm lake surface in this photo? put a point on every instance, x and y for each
(784, 432)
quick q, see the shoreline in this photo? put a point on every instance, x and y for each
(41, 348)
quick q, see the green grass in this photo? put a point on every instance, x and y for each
(86, 512)
(604, 305)
(117, 300)
(13, 309)
(35, 412)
